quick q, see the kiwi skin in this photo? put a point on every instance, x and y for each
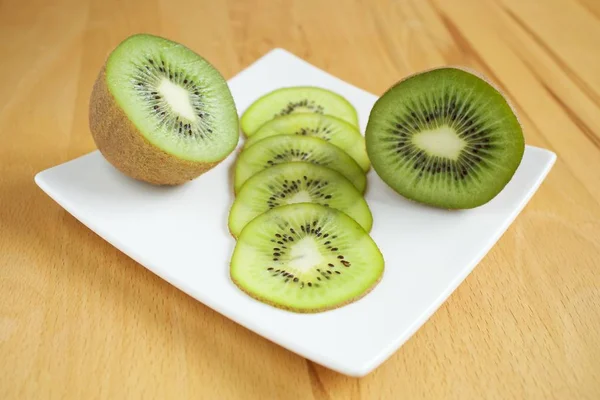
(128, 150)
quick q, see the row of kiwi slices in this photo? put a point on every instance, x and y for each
(299, 216)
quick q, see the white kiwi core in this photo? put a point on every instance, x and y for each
(178, 99)
(442, 142)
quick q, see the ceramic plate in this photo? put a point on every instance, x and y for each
(181, 235)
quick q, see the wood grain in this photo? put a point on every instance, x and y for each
(80, 320)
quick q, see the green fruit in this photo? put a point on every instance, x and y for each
(326, 127)
(280, 149)
(161, 113)
(297, 99)
(297, 182)
(446, 138)
(306, 258)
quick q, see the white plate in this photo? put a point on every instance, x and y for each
(181, 235)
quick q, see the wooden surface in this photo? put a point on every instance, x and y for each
(80, 320)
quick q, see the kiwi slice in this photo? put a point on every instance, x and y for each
(297, 99)
(326, 127)
(297, 182)
(446, 138)
(280, 149)
(161, 113)
(306, 258)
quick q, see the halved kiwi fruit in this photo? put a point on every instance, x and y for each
(161, 113)
(297, 99)
(297, 182)
(446, 138)
(326, 127)
(306, 258)
(280, 149)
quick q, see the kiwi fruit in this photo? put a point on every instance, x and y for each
(297, 182)
(446, 138)
(280, 149)
(326, 127)
(305, 258)
(297, 99)
(160, 113)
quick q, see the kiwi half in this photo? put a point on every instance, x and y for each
(446, 138)
(326, 127)
(280, 149)
(161, 113)
(297, 182)
(298, 99)
(305, 258)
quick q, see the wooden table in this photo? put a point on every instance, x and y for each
(80, 320)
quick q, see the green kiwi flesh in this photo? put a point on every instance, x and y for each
(297, 182)
(326, 127)
(446, 138)
(177, 100)
(297, 99)
(280, 149)
(305, 258)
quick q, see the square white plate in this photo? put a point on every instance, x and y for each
(181, 235)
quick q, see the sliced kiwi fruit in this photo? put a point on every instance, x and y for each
(306, 258)
(161, 113)
(280, 149)
(326, 127)
(297, 99)
(297, 182)
(445, 137)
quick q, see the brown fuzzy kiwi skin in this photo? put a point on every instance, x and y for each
(121, 143)
(310, 310)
